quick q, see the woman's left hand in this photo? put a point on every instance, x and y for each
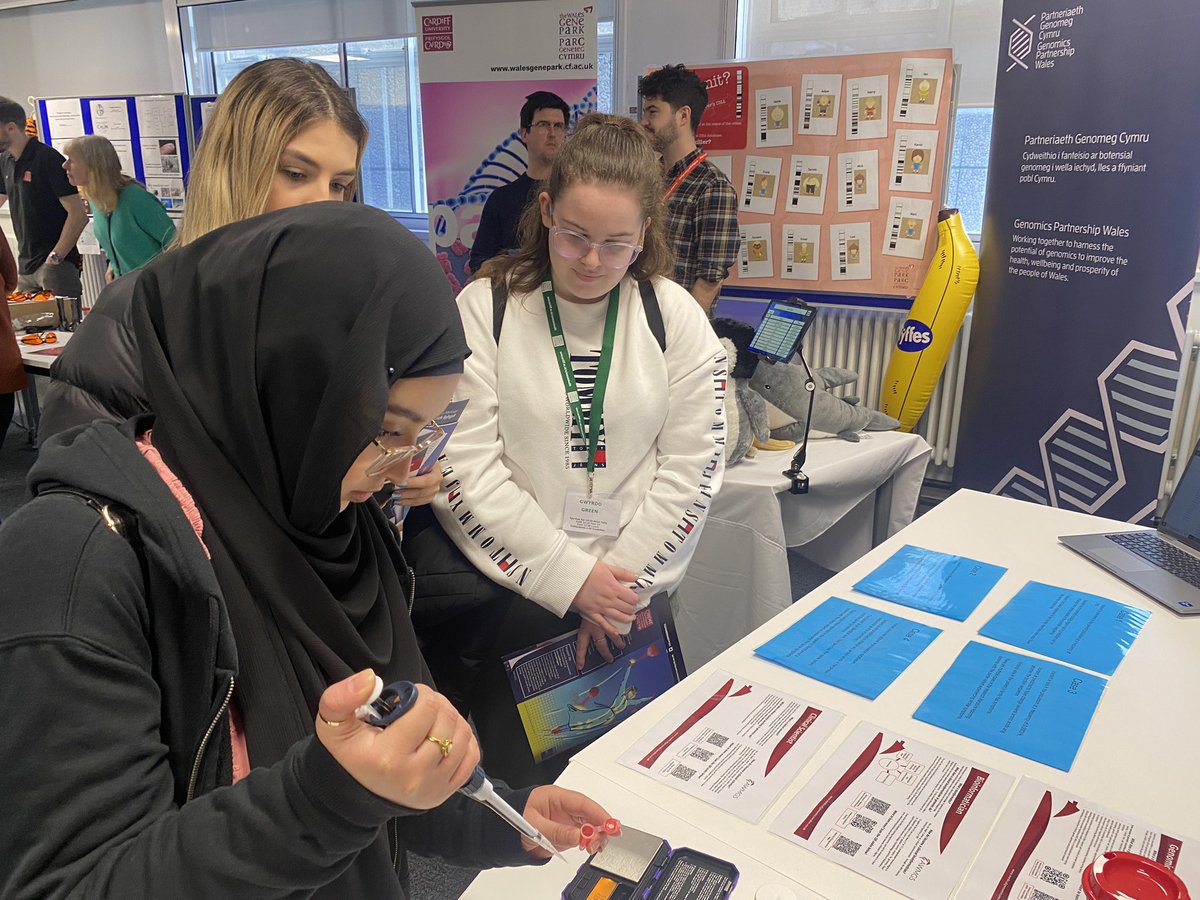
(591, 633)
(557, 813)
(419, 490)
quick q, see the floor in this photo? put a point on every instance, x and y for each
(431, 879)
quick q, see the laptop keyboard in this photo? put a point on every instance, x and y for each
(1149, 545)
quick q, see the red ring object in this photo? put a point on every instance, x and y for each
(612, 826)
(1127, 876)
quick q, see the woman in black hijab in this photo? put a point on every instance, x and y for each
(184, 589)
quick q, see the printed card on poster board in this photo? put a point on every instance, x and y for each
(867, 137)
(486, 58)
(563, 708)
(724, 124)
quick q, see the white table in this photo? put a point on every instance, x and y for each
(859, 495)
(37, 363)
(1136, 756)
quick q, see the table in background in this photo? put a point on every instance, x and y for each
(37, 362)
(1135, 757)
(859, 495)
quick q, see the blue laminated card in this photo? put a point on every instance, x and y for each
(1031, 707)
(856, 648)
(1082, 629)
(940, 583)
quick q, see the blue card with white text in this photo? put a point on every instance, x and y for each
(1031, 707)
(939, 583)
(854, 647)
(1082, 629)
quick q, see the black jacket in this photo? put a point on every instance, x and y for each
(98, 375)
(114, 752)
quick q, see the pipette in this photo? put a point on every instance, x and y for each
(387, 704)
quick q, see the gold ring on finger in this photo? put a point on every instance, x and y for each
(444, 744)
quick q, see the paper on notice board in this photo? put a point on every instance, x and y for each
(1027, 706)
(1078, 628)
(1046, 837)
(902, 813)
(733, 743)
(854, 647)
(940, 583)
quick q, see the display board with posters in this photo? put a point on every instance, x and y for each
(478, 63)
(839, 164)
(149, 132)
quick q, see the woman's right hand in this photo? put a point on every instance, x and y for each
(399, 763)
(606, 595)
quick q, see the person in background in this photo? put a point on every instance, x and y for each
(47, 211)
(701, 203)
(646, 432)
(12, 371)
(180, 690)
(128, 221)
(544, 120)
(282, 134)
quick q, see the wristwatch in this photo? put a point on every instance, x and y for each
(54, 256)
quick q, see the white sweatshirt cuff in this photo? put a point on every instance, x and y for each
(562, 578)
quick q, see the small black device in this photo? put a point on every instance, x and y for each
(636, 865)
(779, 332)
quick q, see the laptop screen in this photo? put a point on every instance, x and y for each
(1182, 518)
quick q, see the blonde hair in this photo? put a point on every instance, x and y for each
(105, 180)
(603, 150)
(263, 108)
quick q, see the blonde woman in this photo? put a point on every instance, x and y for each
(128, 221)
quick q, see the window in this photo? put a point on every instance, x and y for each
(227, 63)
(967, 181)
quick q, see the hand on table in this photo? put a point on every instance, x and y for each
(605, 595)
(399, 763)
(557, 813)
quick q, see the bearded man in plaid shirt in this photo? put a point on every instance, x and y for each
(701, 203)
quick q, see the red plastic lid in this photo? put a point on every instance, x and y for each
(1127, 876)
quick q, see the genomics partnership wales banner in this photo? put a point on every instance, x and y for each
(1090, 237)
(478, 63)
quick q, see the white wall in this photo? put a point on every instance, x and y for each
(84, 47)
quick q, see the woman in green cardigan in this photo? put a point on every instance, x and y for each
(129, 222)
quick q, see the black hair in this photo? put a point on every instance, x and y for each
(543, 100)
(679, 87)
(11, 111)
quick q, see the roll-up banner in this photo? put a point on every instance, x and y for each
(1090, 237)
(478, 63)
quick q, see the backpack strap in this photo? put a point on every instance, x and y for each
(653, 313)
(649, 303)
(499, 304)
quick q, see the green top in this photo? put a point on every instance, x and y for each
(135, 232)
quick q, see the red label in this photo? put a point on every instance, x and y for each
(1168, 851)
(724, 125)
(437, 33)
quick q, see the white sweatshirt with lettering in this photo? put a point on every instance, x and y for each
(517, 453)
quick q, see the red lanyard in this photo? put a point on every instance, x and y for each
(684, 174)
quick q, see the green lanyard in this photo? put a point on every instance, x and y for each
(589, 428)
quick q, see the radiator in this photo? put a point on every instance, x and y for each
(863, 340)
(93, 278)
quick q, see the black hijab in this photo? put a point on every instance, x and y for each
(268, 348)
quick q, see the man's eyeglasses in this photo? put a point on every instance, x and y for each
(390, 457)
(543, 126)
(573, 245)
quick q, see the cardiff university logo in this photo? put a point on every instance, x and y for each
(1020, 43)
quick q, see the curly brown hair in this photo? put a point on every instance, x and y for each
(602, 150)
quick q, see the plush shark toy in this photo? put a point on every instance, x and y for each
(769, 403)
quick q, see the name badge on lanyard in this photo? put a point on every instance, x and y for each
(586, 513)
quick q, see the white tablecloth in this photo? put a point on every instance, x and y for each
(859, 494)
(1135, 757)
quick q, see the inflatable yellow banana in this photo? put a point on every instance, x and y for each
(933, 322)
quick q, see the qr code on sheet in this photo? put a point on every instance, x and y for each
(877, 806)
(863, 823)
(1054, 877)
(701, 754)
(1040, 895)
(717, 740)
(844, 845)
(683, 773)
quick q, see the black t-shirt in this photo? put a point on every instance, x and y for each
(34, 184)
(501, 215)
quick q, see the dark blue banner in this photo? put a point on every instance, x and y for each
(1090, 238)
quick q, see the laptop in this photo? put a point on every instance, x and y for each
(1163, 563)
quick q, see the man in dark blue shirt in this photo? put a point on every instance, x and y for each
(544, 120)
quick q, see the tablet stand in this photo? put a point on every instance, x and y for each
(799, 481)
